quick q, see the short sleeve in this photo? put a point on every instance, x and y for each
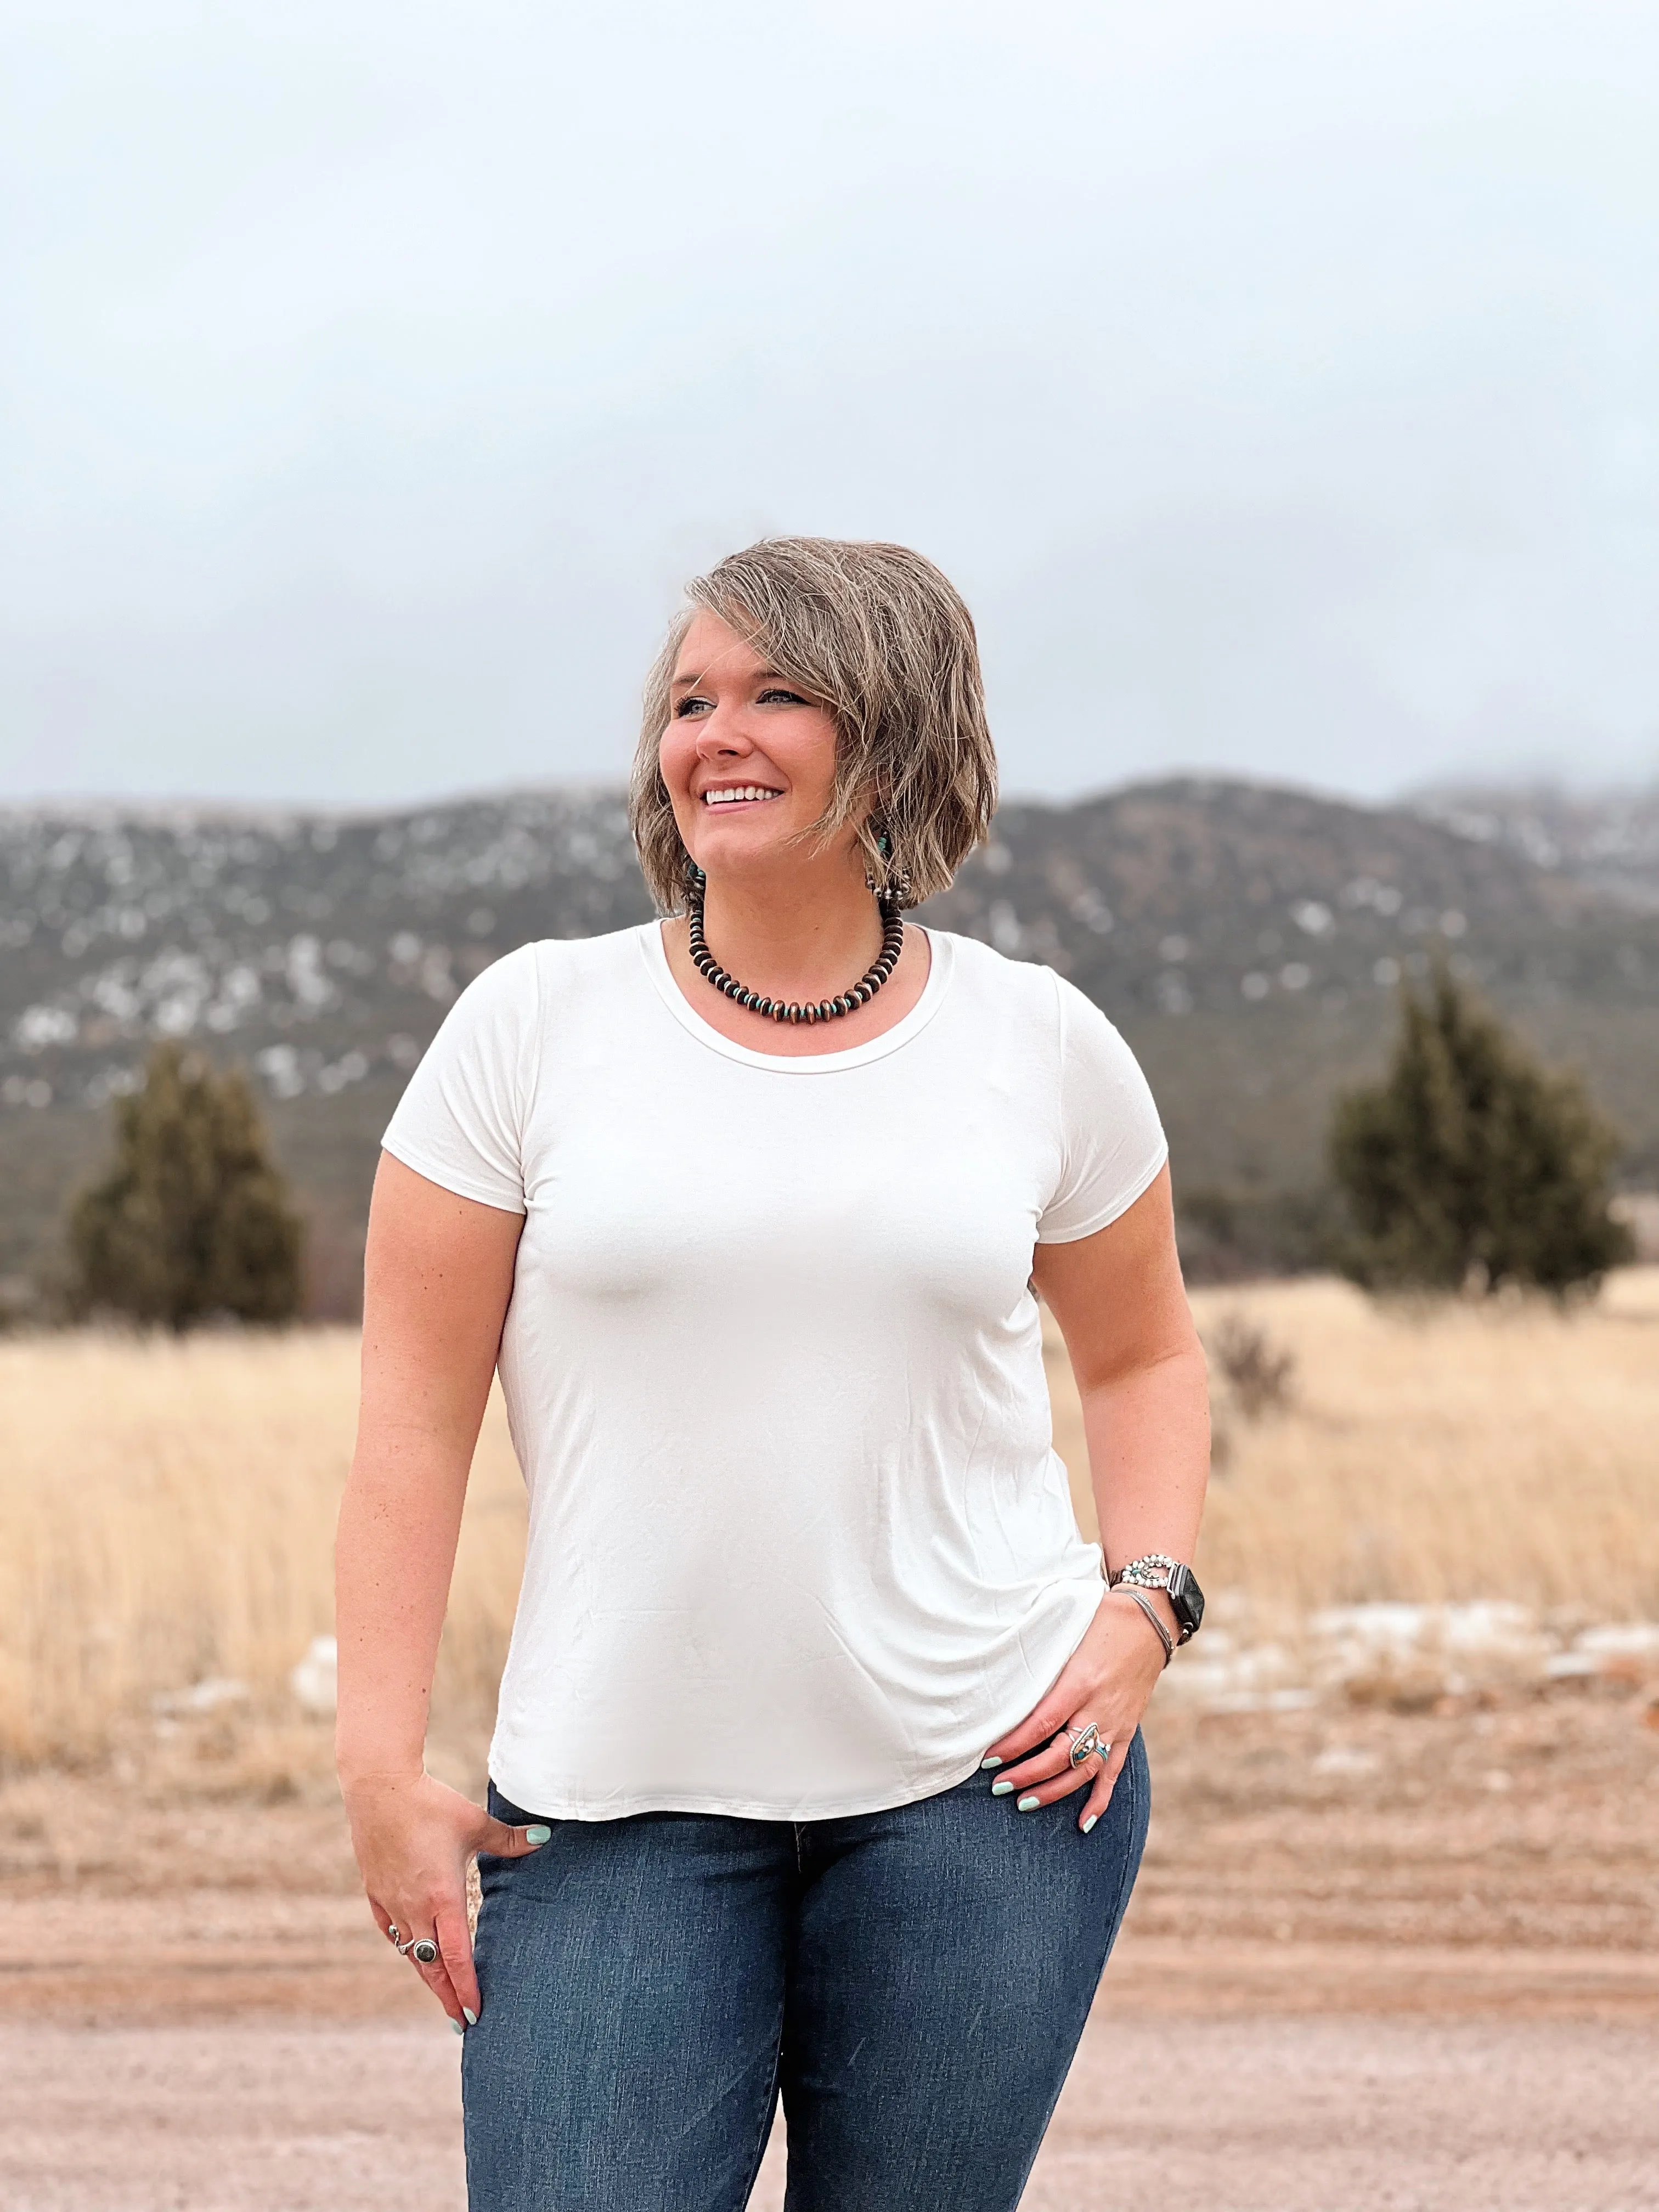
(1112, 1143)
(461, 1123)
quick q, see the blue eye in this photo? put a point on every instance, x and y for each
(789, 698)
(688, 703)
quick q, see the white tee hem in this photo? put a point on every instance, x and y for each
(623, 1808)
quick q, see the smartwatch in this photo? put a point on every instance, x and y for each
(1157, 1570)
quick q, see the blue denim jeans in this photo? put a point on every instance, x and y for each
(913, 1983)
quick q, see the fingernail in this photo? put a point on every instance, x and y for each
(471, 2017)
(1028, 1805)
(539, 1834)
(458, 2029)
(990, 1759)
(1090, 1822)
(1000, 1788)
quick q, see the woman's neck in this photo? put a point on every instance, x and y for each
(808, 941)
(804, 939)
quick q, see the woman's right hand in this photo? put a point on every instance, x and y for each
(415, 1839)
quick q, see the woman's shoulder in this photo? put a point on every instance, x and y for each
(554, 964)
(979, 969)
(549, 983)
(1028, 992)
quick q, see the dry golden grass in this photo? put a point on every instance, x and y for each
(167, 1508)
(1441, 1452)
(167, 1517)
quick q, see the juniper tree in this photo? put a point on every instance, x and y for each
(1472, 1165)
(192, 1219)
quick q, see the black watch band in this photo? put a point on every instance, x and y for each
(1187, 1599)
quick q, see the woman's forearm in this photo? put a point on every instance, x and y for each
(1140, 1368)
(437, 1277)
(399, 1523)
(1148, 1433)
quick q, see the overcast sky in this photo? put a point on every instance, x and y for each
(1280, 383)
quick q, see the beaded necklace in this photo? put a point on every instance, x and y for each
(775, 1010)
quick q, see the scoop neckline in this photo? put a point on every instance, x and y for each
(941, 963)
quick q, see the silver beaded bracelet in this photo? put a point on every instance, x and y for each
(1124, 1589)
(1151, 1571)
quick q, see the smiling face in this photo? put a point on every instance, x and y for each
(748, 760)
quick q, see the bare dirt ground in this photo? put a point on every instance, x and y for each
(1376, 1959)
(1268, 2115)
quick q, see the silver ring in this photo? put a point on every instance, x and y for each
(1085, 1741)
(421, 1948)
(391, 1931)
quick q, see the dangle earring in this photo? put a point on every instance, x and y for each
(895, 891)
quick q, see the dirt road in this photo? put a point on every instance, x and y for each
(1339, 2114)
(1364, 1983)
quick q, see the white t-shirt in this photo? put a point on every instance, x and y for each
(800, 1544)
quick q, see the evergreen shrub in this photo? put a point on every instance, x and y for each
(1470, 1165)
(191, 1221)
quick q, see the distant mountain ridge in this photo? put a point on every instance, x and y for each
(1248, 940)
(1608, 842)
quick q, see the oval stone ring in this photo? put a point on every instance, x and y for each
(1085, 1741)
(421, 1948)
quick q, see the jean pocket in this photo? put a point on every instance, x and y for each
(493, 1864)
(503, 1809)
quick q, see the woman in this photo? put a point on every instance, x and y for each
(755, 1259)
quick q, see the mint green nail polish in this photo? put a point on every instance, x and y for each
(1000, 1788)
(470, 2016)
(539, 1834)
(989, 1760)
(1028, 1805)
(458, 2029)
(1090, 1822)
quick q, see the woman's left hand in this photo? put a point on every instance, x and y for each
(1108, 1680)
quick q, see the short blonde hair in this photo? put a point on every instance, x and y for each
(880, 637)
